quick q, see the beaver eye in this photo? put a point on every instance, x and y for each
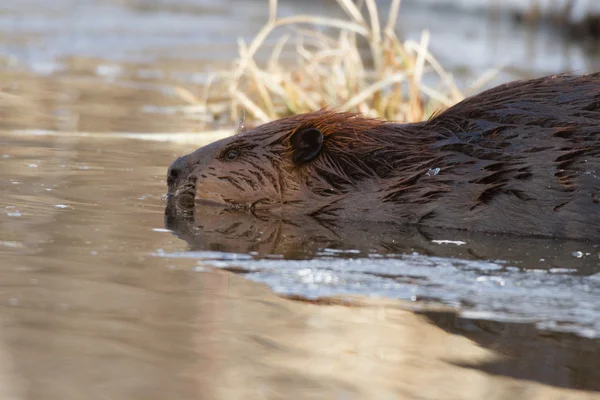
(232, 154)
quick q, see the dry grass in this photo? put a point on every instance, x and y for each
(388, 80)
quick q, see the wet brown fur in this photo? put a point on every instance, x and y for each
(522, 158)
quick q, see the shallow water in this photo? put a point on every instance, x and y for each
(107, 292)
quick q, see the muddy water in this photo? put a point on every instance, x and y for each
(107, 292)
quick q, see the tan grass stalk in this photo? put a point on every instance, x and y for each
(332, 70)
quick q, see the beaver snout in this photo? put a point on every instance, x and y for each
(181, 188)
(180, 177)
(181, 174)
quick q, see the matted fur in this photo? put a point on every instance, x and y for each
(521, 158)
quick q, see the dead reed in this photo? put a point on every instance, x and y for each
(332, 67)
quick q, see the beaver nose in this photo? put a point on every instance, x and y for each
(175, 171)
(173, 174)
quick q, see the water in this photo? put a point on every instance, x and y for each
(107, 292)
(99, 294)
(553, 283)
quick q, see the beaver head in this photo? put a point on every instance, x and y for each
(316, 164)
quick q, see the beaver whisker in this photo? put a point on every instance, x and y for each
(183, 196)
(185, 189)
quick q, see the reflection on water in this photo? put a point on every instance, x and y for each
(562, 360)
(555, 283)
(215, 229)
(537, 280)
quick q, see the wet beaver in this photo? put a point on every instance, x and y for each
(522, 158)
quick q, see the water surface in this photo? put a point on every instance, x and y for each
(106, 291)
(100, 296)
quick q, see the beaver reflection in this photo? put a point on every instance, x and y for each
(522, 158)
(218, 229)
(559, 359)
(553, 358)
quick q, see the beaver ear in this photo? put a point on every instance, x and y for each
(306, 144)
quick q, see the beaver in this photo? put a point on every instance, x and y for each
(522, 158)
